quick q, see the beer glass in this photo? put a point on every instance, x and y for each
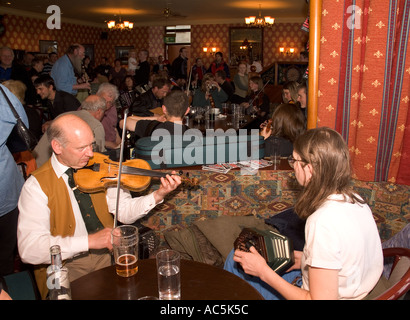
(125, 248)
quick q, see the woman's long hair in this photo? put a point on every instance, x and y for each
(325, 150)
(288, 121)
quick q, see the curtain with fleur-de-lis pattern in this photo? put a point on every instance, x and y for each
(364, 84)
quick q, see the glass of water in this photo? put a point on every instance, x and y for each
(169, 275)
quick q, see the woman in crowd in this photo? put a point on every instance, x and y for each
(290, 92)
(128, 93)
(198, 72)
(342, 257)
(257, 101)
(288, 123)
(117, 73)
(240, 81)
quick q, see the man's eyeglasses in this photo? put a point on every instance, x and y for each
(292, 160)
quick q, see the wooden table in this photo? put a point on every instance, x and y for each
(199, 281)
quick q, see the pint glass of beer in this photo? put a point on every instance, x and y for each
(125, 248)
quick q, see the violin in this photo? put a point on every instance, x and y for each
(269, 126)
(101, 172)
(266, 128)
(256, 99)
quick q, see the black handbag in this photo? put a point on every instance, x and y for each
(25, 134)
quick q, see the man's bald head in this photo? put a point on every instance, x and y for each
(72, 140)
(64, 125)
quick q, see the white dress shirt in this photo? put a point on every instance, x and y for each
(33, 232)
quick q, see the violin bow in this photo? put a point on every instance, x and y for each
(120, 166)
(189, 81)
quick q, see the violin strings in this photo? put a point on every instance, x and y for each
(142, 172)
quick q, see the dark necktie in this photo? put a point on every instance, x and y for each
(92, 223)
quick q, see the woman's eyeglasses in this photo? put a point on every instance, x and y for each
(292, 160)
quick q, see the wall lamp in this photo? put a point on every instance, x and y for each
(210, 50)
(287, 51)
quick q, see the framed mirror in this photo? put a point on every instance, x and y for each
(245, 44)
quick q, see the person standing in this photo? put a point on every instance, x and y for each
(10, 184)
(12, 70)
(117, 73)
(219, 64)
(142, 72)
(67, 68)
(52, 58)
(132, 63)
(179, 68)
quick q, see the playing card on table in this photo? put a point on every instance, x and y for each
(216, 168)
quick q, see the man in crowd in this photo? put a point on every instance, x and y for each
(92, 111)
(302, 98)
(179, 68)
(220, 77)
(175, 107)
(152, 99)
(67, 67)
(104, 68)
(142, 72)
(219, 64)
(56, 101)
(51, 215)
(11, 70)
(52, 58)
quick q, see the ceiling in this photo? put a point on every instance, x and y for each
(151, 12)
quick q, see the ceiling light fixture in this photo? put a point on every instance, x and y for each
(121, 25)
(260, 22)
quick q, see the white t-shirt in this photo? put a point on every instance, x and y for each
(344, 236)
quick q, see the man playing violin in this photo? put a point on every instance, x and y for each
(50, 213)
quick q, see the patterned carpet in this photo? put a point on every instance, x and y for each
(265, 194)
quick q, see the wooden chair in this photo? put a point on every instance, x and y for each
(398, 282)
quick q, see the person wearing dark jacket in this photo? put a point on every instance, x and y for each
(143, 69)
(220, 77)
(151, 99)
(57, 102)
(219, 64)
(11, 70)
(179, 68)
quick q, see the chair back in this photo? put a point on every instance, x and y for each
(398, 283)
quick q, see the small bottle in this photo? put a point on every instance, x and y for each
(58, 283)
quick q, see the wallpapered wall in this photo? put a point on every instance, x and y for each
(24, 33)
